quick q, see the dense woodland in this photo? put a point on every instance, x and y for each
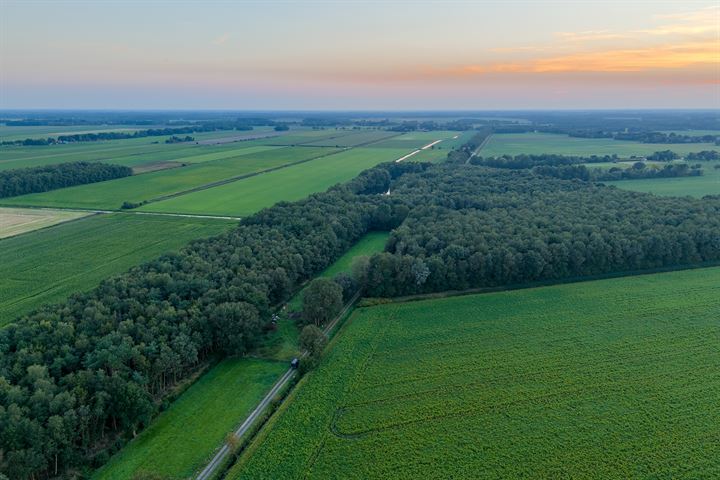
(479, 227)
(51, 177)
(78, 378)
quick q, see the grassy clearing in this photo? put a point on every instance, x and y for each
(14, 221)
(413, 140)
(707, 184)
(357, 137)
(138, 188)
(183, 438)
(606, 379)
(48, 265)
(538, 143)
(293, 183)
(44, 131)
(282, 344)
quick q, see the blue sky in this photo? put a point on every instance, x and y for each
(359, 55)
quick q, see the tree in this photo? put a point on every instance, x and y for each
(322, 301)
(313, 340)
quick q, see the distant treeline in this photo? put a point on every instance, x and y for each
(573, 167)
(51, 177)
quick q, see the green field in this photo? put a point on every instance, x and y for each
(138, 188)
(8, 133)
(14, 221)
(293, 183)
(282, 345)
(413, 140)
(47, 265)
(707, 184)
(606, 379)
(182, 439)
(538, 143)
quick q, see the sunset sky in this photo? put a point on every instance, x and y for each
(359, 54)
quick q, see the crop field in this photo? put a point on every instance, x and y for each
(182, 439)
(293, 183)
(538, 143)
(148, 186)
(413, 140)
(613, 378)
(358, 137)
(707, 184)
(47, 265)
(14, 221)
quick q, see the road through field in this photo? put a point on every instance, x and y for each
(220, 456)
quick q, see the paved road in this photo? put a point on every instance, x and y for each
(479, 148)
(220, 456)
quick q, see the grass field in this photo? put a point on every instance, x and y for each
(14, 221)
(183, 438)
(48, 265)
(411, 141)
(282, 344)
(707, 184)
(138, 188)
(293, 183)
(607, 379)
(538, 143)
(8, 133)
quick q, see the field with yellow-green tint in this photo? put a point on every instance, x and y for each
(14, 221)
(706, 184)
(606, 379)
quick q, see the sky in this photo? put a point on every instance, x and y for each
(359, 55)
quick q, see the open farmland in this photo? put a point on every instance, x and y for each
(539, 143)
(614, 378)
(14, 221)
(48, 265)
(181, 439)
(293, 183)
(707, 184)
(12, 133)
(149, 186)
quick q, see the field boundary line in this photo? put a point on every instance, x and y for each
(480, 147)
(219, 458)
(377, 301)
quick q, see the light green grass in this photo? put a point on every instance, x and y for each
(283, 343)
(707, 184)
(182, 439)
(413, 140)
(538, 143)
(607, 379)
(47, 265)
(14, 221)
(45, 131)
(138, 188)
(293, 183)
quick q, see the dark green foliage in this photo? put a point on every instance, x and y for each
(478, 227)
(322, 301)
(664, 156)
(51, 177)
(705, 155)
(312, 340)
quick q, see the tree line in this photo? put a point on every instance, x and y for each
(51, 177)
(473, 226)
(78, 377)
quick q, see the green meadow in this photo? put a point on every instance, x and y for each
(293, 183)
(45, 266)
(707, 184)
(179, 442)
(605, 379)
(137, 188)
(538, 143)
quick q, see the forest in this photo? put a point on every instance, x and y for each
(79, 378)
(51, 177)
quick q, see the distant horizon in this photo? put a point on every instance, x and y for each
(397, 55)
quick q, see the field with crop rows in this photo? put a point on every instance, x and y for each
(14, 221)
(293, 183)
(148, 186)
(47, 265)
(538, 143)
(182, 439)
(615, 378)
